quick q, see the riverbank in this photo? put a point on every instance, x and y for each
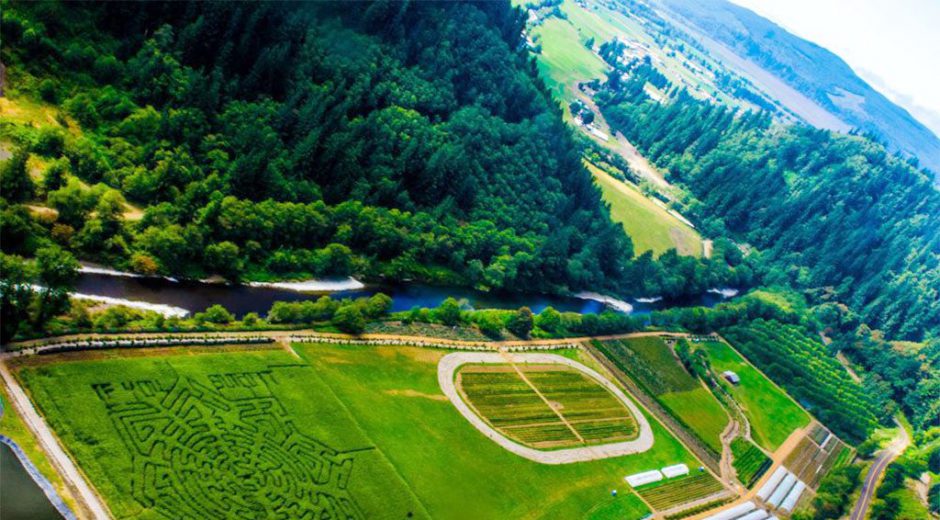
(43, 487)
(258, 297)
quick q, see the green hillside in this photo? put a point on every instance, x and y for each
(650, 226)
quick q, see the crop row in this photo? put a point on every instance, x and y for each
(650, 363)
(681, 490)
(804, 367)
(613, 430)
(749, 461)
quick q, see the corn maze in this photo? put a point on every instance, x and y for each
(226, 449)
(572, 410)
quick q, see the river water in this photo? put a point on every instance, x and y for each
(20, 497)
(195, 296)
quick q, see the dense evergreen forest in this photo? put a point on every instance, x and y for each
(398, 140)
(834, 216)
(416, 141)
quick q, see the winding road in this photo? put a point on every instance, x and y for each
(873, 477)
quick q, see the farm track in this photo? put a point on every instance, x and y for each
(728, 473)
(50, 444)
(687, 438)
(36, 346)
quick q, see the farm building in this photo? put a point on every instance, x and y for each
(731, 377)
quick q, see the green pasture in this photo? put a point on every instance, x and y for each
(772, 413)
(564, 60)
(650, 226)
(701, 412)
(650, 362)
(144, 430)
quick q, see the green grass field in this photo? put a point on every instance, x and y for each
(650, 362)
(512, 406)
(390, 441)
(565, 60)
(771, 412)
(650, 226)
(749, 461)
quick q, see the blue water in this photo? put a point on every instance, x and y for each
(20, 497)
(241, 299)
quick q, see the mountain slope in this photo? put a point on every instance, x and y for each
(811, 70)
(397, 141)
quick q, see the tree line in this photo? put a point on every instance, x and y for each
(397, 140)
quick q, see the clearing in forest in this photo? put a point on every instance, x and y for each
(649, 225)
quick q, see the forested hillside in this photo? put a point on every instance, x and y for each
(851, 226)
(835, 215)
(401, 140)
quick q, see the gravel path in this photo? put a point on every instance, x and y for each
(449, 364)
(47, 488)
(50, 445)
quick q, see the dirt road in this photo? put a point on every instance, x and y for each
(50, 444)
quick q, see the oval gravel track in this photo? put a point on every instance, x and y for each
(449, 364)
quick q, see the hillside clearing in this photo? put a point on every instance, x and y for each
(649, 225)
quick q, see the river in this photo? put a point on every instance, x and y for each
(21, 497)
(195, 296)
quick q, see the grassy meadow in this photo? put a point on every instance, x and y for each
(772, 413)
(394, 443)
(650, 362)
(650, 226)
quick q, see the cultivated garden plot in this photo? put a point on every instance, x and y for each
(343, 431)
(817, 452)
(750, 462)
(511, 415)
(675, 492)
(547, 406)
(654, 367)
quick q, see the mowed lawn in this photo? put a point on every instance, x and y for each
(771, 412)
(650, 362)
(395, 396)
(650, 226)
(393, 442)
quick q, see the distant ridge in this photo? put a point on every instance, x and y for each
(813, 71)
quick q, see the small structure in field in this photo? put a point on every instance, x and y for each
(731, 377)
(646, 477)
(676, 470)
